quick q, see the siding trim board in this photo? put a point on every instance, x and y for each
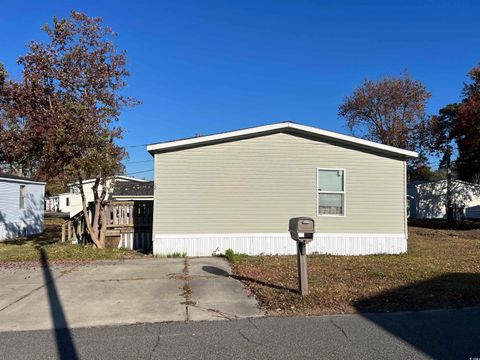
(279, 244)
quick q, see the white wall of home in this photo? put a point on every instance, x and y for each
(51, 203)
(17, 220)
(76, 199)
(429, 199)
(60, 202)
(64, 202)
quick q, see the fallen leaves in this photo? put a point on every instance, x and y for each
(439, 270)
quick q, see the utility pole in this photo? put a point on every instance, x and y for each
(448, 154)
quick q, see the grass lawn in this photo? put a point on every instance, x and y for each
(28, 249)
(441, 269)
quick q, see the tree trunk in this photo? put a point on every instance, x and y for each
(92, 224)
(103, 232)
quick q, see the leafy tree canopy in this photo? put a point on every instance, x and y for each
(60, 121)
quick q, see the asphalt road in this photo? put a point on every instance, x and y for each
(446, 334)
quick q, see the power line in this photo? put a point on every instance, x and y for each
(132, 146)
(137, 162)
(139, 172)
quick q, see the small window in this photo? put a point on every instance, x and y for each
(330, 192)
(67, 201)
(23, 193)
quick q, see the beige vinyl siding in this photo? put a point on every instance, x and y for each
(255, 185)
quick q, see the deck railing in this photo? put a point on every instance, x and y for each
(74, 229)
(131, 222)
(128, 222)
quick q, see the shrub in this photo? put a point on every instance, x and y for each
(172, 255)
(234, 257)
(177, 255)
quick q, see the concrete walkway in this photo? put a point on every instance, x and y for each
(215, 295)
(121, 292)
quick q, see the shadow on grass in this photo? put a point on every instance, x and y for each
(220, 272)
(264, 283)
(63, 338)
(442, 224)
(51, 234)
(442, 334)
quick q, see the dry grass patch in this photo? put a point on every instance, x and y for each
(441, 269)
(27, 249)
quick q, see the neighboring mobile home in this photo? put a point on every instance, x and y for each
(239, 189)
(21, 206)
(58, 203)
(428, 199)
(76, 199)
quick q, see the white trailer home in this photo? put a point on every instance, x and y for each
(428, 199)
(239, 189)
(75, 199)
(58, 203)
(21, 206)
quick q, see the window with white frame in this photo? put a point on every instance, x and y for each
(331, 192)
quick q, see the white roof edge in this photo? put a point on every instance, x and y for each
(132, 178)
(132, 196)
(23, 181)
(283, 125)
(423, 182)
(86, 181)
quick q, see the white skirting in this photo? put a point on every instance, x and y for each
(279, 244)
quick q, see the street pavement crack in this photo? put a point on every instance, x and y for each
(340, 328)
(247, 338)
(157, 343)
(253, 324)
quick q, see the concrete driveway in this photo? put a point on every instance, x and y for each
(121, 292)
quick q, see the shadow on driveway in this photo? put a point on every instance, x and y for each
(63, 338)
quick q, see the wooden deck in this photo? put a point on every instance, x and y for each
(129, 225)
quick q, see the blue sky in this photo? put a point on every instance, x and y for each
(202, 66)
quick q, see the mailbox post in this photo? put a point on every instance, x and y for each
(302, 230)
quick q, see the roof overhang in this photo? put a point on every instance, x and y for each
(135, 197)
(116, 177)
(279, 127)
(23, 181)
